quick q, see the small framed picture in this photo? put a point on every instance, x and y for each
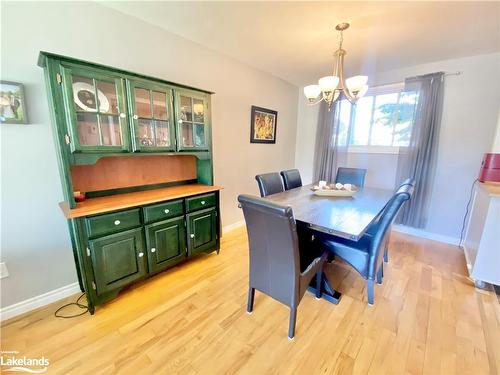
(263, 125)
(12, 104)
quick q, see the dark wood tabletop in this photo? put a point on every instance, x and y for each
(346, 217)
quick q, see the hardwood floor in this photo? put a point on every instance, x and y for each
(427, 318)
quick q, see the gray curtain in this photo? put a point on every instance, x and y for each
(418, 160)
(329, 152)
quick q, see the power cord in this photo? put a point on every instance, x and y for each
(467, 212)
(78, 304)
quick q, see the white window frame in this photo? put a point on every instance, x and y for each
(375, 149)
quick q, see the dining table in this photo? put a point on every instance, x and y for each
(334, 216)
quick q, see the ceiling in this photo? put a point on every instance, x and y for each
(296, 40)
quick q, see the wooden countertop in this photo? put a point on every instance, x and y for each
(491, 188)
(108, 203)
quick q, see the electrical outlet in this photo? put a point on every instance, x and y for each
(4, 272)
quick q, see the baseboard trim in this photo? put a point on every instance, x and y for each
(425, 234)
(38, 301)
(230, 227)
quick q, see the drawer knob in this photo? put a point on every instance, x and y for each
(135, 117)
(167, 211)
(141, 255)
(117, 222)
(123, 115)
(192, 235)
(153, 250)
(180, 121)
(202, 202)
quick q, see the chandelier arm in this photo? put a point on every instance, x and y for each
(342, 84)
(316, 102)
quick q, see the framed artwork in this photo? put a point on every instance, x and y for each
(12, 104)
(263, 125)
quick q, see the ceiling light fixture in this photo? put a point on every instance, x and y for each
(330, 87)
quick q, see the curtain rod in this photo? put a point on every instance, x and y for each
(457, 73)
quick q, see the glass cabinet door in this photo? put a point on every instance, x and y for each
(151, 112)
(96, 112)
(192, 121)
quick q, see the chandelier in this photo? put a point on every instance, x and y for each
(330, 87)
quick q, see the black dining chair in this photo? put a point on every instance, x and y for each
(291, 178)
(372, 229)
(275, 267)
(269, 183)
(366, 255)
(354, 176)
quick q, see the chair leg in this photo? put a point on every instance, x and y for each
(291, 325)
(386, 254)
(380, 274)
(251, 294)
(370, 289)
(319, 279)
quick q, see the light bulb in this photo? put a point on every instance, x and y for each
(312, 92)
(328, 83)
(356, 83)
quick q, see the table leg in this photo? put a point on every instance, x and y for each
(327, 292)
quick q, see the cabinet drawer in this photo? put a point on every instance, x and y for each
(113, 222)
(200, 201)
(163, 211)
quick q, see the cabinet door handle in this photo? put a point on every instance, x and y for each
(202, 202)
(153, 250)
(135, 117)
(167, 211)
(141, 255)
(117, 222)
(123, 115)
(192, 235)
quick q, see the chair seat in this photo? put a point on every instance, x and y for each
(356, 253)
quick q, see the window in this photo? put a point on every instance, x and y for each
(380, 121)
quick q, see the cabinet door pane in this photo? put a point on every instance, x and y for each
(187, 134)
(106, 97)
(162, 134)
(88, 129)
(199, 135)
(142, 103)
(110, 130)
(160, 105)
(146, 132)
(186, 109)
(84, 94)
(199, 110)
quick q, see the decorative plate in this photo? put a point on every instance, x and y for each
(84, 97)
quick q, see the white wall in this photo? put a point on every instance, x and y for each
(470, 117)
(35, 242)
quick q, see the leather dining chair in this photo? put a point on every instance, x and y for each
(354, 176)
(269, 183)
(366, 255)
(372, 229)
(275, 267)
(291, 178)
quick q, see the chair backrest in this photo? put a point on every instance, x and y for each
(274, 248)
(354, 176)
(380, 237)
(269, 183)
(291, 178)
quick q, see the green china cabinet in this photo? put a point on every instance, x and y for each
(140, 149)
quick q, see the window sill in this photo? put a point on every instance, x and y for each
(373, 150)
